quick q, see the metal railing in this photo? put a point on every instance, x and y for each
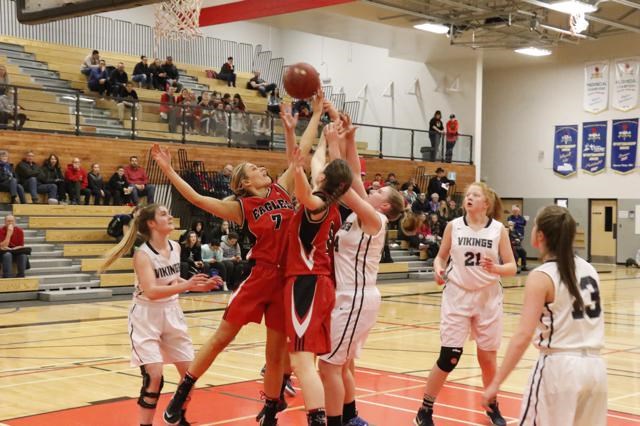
(62, 110)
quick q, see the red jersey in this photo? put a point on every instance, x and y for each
(267, 219)
(310, 243)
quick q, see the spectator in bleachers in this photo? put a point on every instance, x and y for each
(452, 137)
(99, 79)
(225, 182)
(142, 74)
(172, 74)
(97, 186)
(191, 257)
(212, 255)
(29, 176)
(237, 103)
(187, 118)
(8, 111)
(518, 220)
(221, 120)
(222, 231)
(51, 173)
(168, 108)
(392, 180)
(204, 113)
(434, 204)
(443, 210)
(409, 195)
(377, 178)
(127, 97)
(4, 79)
(228, 73)
(421, 205)
(138, 181)
(519, 253)
(274, 101)
(197, 226)
(436, 131)
(8, 181)
(411, 181)
(257, 83)
(437, 225)
(439, 184)
(302, 108)
(118, 79)
(76, 180)
(158, 75)
(453, 211)
(90, 63)
(12, 248)
(119, 188)
(226, 99)
(231, 255)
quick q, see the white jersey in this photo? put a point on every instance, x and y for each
(468, 247)
(167, 270)
(561, 326)
(357, 255)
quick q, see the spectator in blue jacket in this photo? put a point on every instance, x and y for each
(99, 79)
(519, 222)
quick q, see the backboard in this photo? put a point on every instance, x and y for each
(38, 11)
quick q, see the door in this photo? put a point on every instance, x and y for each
(602, 230)
(507, 204)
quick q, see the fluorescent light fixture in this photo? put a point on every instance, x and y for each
(573, 6)
(533, 51)
(432, 28)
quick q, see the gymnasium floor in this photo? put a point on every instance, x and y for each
(68, 364)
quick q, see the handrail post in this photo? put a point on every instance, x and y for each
(15, 108)
(77, 114)
(272, 125)
(380, 153)
(412, 145)
(134, 116)
(184, 126)
(471, 150)
(228, 129)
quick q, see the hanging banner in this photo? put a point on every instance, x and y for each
(624, 145)
(596, 86)
(594, 146)
(565, 150)
(626, 84)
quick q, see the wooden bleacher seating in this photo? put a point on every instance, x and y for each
(117, 279)
(75, 222)
(14, 285)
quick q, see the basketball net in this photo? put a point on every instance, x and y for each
(578, 23)
(177, 20)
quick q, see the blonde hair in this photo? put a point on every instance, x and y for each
(398, 210)
(235, 184)
(494, 209)
(140, 226)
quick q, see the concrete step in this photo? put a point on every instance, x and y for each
(55, 270)
(46, 254)
(33, 232)
(421, 275)
(30, 241)
(393, 276)
(50, 263)
(51, 82)
(122, 290)
(70, 286)
(16, 54)
(113, 132)
(12, 47)
(68, 295)
(404, 258)
(36, 72)
(100, 121)
(40, 248)
(63, 278)
(27, 63)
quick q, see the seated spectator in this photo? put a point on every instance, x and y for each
(454, 211)
(377, 178)
(410, 195)
(142, 74)
(437, 225)
(434, 204)
(518, 220)
(128, 98)
(120, 223)
(8, 111)
(232, 259)
(411, 181)
(204, 113)
(392, 180)
(237, 103)
(439, 184)
(257, 83)
(90, 63)
(302, 108)
(197, 227)
(158, 75)
(8, 181)
(51, 173)
(119, 188)
(30, 177)
(4, 79)
(516, 244)
(97, 187)
(77, 181)
(187, 116)
(168, 108)
(12, 248)
(226, 99)
(99, 80)
(191, 257)
(443, 210)
(274, 101)
(421, 205)
(227, 72)
(118, 79)
(221, 120)
(138, 181)
(172, 74)
(212, 256)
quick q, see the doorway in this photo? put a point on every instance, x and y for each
(602, 230)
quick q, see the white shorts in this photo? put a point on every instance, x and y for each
(477, 313)
(158, 333)
(351, 320)
(568, 389)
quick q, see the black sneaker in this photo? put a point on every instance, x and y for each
(262, 418)
(183, 419)
(424, 418)
(495, 416)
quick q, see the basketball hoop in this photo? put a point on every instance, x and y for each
(578, 23)
(178, 19)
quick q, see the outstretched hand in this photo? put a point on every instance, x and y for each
(329, 108)
(298, 159)
(318, 101)
(203, 283)
(334, 140)
(289, 121)
(161, 155)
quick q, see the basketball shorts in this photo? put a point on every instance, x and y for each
(475, 313)
(308, 301)
(158, 333)
(258, 295)
(351, 320)
(566, 388)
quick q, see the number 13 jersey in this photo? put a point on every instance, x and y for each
(468, 247)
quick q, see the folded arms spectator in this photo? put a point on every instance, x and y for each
(77, 181)
(30, 177)
(97, 186)
(138, 181)
(119, 188)
(158, 75)
(118, 78)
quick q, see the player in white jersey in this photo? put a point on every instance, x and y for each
(157, 329)
(562, 312)
(358, 248)
(474, 246)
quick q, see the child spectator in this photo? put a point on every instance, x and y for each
(437, 225)
(186, 112)
(119, 188)
(51, 173)
(12, 248)
(204, 113)
(97, 187)
(212, 255)
(138, 181)
(77, 181)
(237, 103)
(8, 181)
(30, 176)
(142, 74)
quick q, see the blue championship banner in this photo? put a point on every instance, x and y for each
(594, 146)
(624, 145)
(565, 150)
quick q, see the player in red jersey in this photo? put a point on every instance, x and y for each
(309, 293)
(264, 209)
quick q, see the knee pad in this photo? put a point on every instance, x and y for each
(146, 380)
(449, 358)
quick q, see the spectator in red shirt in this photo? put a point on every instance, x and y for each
(77, 182)
(452, 137)
(138, 181)
(11, 241)
(168, 108)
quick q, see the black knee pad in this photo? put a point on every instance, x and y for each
(449, 358)
(146, 380)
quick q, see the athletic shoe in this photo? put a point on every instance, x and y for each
(495, 416)
(282, 405)
(424, 418)
(263, 370)
(289, 389)
(357, 421)
(183, 419)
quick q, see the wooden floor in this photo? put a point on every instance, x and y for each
(69, 364)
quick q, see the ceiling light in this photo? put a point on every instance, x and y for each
(433, 28)
(533, 51)
(573, 6)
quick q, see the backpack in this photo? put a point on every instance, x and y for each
(211, 73)
(115, 227)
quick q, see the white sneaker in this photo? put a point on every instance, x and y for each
(52, 201)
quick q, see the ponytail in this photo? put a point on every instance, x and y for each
(338, 179)
(410, 222)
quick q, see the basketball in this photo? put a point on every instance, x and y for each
(301, 80)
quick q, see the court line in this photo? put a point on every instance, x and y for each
(623, 396)
(364, 401)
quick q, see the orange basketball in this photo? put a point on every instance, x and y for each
(301, 80)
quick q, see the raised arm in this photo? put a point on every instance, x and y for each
(229, 210)
(303, 191)
(344, 136)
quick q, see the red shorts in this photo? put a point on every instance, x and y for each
(308, 302)
(260, 294)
